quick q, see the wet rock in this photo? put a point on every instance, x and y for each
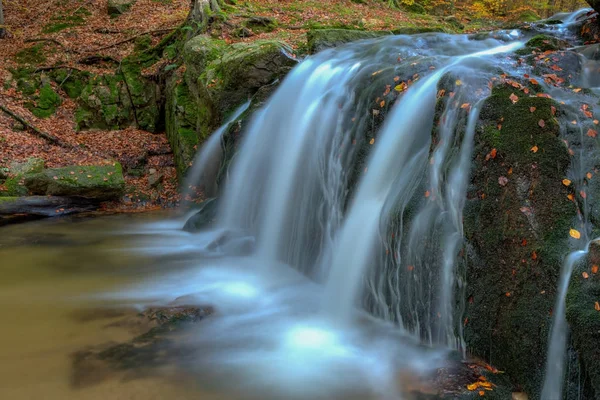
(595, 4)
(99, 182)
(260, 24)
(205, 216)
(516, 235)
(118, 7)
(455, 22)
(583, 315)
(321, 39)
(14, 180)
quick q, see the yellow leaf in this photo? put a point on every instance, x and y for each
(589, 175)
(571, 197)
(372, 141)
(575, 234)
(458, 82)
(566, 182)
(401, 87)
(597, 306)
(535, 149)
(585, 275)
(473, 386)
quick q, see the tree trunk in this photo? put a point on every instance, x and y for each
(200, 13)
(2, 28)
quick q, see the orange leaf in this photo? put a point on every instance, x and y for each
(594, 269)
(410, 267)
(514, 98)
(566, 182)
(585, 275)
(534, 82)
(534, 256)
(465, 106)
(589, 175)
(493, 153)
(507, 294)
(577, 90)
(427, 194)
(532, 109)
(371, 141)
(592, 133)
(582, 194)
(575, 234)
(597, 306)
(541, 123)
(382, 103)
(535, 149)
(571, 197)
(482, 393)
(553, 109)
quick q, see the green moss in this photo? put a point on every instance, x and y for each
(99, 182)
(64, 21)
(47, 103)
(71, 81)
(31, 55)
(518, 232)
(542, 43)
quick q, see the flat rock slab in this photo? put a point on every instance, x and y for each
(118, 7)
(20, 209)
(101, 183)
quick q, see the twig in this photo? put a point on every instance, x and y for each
(135, 37)
(52, 139)
(50, 68)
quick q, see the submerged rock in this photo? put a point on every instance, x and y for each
(101, 182)
(205, 216)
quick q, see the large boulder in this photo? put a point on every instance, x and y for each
(13, 182)
(517, 221)
(99, 182)
(216, 79)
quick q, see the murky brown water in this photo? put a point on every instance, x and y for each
(47, 269)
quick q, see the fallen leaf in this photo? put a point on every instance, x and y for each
(466, 106)
(553, 109)
(401, 87)
(371, 141)
(507, 294)
(502, 180)
(427, 194)
(597, 306)
(589, 175)
(585, 275)
(582, 194)
(535, 149)
(592, 133)
(577, 90)
(575, 233)
(382, 103)
(571, 197)
(514, 98)
(534, 256)
(566, 182)
(481, 393)
(410, 267)
(541, 123)
(594, 269)
(458, 82)
(532, 109)
(493, 153)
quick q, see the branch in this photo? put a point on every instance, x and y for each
(135, 37)
(52, 139)
(50, 68)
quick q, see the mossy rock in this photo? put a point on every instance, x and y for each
(543, 43)
(260, 24)
(99, 182)
(321, 39)
(595, 4)
(15, 174)
(118, 7)
(584, 318)
(415, 30)
(217, 79)
(516, 220)
(71, 81)
(47, 102)
(204, 217)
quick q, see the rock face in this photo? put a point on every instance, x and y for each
(217, 79)
(104, 182)
(118, 7)
(517, 219)
(583, 314)
(595, 4)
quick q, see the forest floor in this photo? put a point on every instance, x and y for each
(63, 32)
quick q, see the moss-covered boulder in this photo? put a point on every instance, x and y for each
(542, 43)
(47, 102)
(13, 182)
(321, 39)
(120, 100)
(118, 7)
(216, 79)
(100, 182)
(517, 221)
(583, 315)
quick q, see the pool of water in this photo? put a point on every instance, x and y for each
(84, 284)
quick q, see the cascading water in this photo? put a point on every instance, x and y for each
(383, 232)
